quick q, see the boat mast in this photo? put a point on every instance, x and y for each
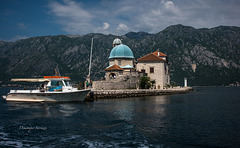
(57, 72)
(90, 64)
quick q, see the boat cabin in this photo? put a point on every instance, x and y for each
(57, 83)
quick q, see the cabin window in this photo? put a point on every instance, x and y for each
(151, 69)
(67, 83)
(56, 83)
(59, 83)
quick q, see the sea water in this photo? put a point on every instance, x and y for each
(206, 117)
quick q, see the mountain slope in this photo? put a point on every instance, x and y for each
(204, 56)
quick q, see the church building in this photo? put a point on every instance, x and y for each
(124, 72)
(121, 59)
(157, 68)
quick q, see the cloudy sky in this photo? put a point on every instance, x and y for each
(29, 18)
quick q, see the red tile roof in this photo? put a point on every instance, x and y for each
(155, 56)
(114, 67)
(150, 57)
(160, 54)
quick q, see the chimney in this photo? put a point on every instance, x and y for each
(158, 53)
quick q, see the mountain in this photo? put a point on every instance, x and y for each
(137, 35)
(204, 56)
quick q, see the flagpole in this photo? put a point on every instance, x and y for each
(90, 64)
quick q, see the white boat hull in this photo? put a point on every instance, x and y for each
(78, 95)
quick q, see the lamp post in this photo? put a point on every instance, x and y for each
(185, 82)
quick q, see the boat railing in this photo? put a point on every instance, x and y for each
(22, 91)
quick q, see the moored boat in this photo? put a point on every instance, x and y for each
(53, 89)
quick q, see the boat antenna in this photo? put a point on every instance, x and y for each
(90, 64)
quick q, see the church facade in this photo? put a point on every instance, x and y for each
(124, 72)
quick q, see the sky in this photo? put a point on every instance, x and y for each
(20, 19)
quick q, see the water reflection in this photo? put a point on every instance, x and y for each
(37, 110)
(151, 115)
(159, 105)
(125, 110)
(68, 109)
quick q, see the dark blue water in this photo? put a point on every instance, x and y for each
(206, 117)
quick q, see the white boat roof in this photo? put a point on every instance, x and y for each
(30, 80)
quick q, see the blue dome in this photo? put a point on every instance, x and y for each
(127, 66)
(121, 51)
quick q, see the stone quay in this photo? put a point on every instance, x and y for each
(126, 93)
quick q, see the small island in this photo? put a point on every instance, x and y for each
(125, 77)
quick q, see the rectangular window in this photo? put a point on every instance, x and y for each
(119, 62)
(151, 70)
(165, 68)
(143, 70)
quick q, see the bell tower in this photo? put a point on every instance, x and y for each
(116, 42)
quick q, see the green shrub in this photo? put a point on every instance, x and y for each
(144, 83)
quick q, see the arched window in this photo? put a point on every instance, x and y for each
(112, 76)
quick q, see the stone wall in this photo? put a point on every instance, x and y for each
(128, 80)
(98, 94)
(113, 85)
(123, 62)
(108, 85)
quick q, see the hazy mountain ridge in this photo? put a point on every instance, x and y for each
(215, 52)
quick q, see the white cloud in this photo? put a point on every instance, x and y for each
(169, 4)
(71, 10)
(122, 28)
(103, 29)
(161, 15)
(74, 18)
(140, 15)
(105, 26)
(18, 37)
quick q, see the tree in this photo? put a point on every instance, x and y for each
(144, 83)
(153, 82)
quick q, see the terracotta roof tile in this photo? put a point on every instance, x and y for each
(160, 54)
(114, 67)
(150, 57)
